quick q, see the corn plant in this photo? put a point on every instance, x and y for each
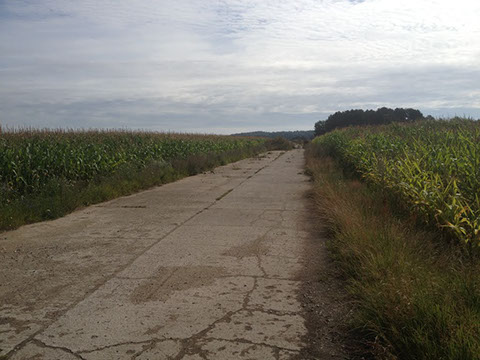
(30, 159)
(432, 166)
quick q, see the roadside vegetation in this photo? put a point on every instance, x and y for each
(400, 204)
(47, 174)
(430, 168)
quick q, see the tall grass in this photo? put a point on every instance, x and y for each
(414, 297)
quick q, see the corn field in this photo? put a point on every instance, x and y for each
(29, 159)
(432, 167)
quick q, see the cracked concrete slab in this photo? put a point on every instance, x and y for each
(283, 331)
(204, 268)
(166, 349)
(137, 310)
(220, 349)
(34, 351)
(276, 295)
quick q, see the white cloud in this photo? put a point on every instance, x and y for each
(232, 64)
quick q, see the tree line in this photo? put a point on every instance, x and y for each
(305, 135)
(366, 117)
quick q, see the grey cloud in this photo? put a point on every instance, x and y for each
(231, 65)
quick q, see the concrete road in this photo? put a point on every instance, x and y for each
(204, 268)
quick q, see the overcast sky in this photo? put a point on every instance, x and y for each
(233, 65)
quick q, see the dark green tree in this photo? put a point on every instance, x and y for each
(359, 117)
(320, 128)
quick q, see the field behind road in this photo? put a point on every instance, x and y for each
(46, 174)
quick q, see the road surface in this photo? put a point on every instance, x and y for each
(204, 268)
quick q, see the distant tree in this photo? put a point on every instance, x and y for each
(289, 135)
(413, 114)
(358, 117)
(386, 115)
(320, 128)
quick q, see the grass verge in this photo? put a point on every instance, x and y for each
(59, 197)
(415, 297)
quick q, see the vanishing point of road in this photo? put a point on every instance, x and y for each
(208, 267)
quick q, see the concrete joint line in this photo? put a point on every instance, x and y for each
(224, 194)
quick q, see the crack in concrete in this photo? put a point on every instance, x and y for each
(246, 300)
(153, 340)
(67, 350)
(258, 255)
(189, 345)
(272, 312)
(149, 346)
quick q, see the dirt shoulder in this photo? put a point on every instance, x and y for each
(323, 296)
